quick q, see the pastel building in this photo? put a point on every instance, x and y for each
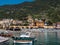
(39, 23)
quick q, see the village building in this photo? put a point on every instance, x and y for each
(17, 22)
(30, 20)
(5, 23)
(57, 25)
(39, 23)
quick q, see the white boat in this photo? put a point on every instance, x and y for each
(23, 39)
(4, 41)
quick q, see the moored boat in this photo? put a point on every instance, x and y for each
(23, 40)
(4, 41)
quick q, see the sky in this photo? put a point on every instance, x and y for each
(6, 2)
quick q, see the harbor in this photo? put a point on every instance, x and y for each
(42, 36)
(30, 22)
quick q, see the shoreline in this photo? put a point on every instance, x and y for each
(40, 30)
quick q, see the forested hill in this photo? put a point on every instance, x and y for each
(41, 9)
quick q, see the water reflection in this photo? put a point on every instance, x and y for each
(23, 44)
(46, 38)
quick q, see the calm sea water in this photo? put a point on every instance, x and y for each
(45, 38)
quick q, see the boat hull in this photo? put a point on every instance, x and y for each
(4, 42)
(23, 41)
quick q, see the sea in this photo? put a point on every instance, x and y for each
(48, 37)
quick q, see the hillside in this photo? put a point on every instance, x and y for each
(41, 9)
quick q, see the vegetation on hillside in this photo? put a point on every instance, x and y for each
(41, 9)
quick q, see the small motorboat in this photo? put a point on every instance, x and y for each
(23, 40)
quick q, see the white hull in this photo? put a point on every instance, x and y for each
(22, 41)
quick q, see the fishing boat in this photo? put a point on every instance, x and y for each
(23, 40)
